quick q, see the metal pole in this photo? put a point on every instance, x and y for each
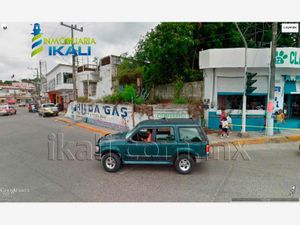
(40, 79)
(73, 27)
(73, 67)
(270, 107)
(38, 83)
(243, 131)
(88, 84)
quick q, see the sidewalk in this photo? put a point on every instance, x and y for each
(90, 127)
(254, 137)
(292, 135)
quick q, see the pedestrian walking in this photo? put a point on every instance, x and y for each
(225, 131)
(222, 116)
(229, 121)
(280, 119)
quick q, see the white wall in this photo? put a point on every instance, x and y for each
(234, 57)
(119, 117)
(59, 69)
(104, 86)
(232, 79)
(83, 76)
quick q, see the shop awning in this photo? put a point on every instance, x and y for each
(292, 77)
(292, 87)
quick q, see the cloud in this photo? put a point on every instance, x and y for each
(111, 38)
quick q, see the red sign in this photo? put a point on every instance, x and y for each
(270, 107)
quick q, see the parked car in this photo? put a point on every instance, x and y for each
(178, 142)
(22, 104)
(48, 109)
(7, 110)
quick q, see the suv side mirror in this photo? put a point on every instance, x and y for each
(130, 140)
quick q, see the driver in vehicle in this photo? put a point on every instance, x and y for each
(149, 138)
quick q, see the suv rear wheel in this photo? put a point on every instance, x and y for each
(111, 162)
(184, 164)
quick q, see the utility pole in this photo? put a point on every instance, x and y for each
(243, 131)
(270, 107)
(298, 39)
(36, 81)
(73, 27)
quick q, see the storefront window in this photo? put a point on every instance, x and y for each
(256, 102)
(236, 102)
(230, 101)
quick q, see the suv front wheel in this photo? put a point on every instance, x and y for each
(184, 164)
(111, 162)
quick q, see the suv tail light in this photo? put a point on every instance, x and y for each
(207, 149)
(97, 149)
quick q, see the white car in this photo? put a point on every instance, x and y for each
(48, 109)
(22, 104)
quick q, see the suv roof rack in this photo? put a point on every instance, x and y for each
(169, 121)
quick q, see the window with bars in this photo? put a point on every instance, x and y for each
(68, 78)
(58, 79)
(93, 87)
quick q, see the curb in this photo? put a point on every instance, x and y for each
(87, 127)
(247, 141)
(260, 140)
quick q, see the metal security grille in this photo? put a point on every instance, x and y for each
(93, 87)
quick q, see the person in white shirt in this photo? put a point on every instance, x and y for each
(229, 121)
(224, 128)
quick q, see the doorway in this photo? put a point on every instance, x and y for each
(292, 105)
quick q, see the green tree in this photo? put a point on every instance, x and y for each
(8, 82)
(165, 52)
(170, 51)
(129, 70)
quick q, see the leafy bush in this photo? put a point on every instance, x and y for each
(127, 95)
(180, 101)
(83, 99)
(139, 100)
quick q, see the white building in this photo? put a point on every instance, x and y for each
(19, 92)
(87, 80)
(108, 72)
(60, 84)
(101, 81)
(223, 71)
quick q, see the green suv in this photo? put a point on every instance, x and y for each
(179, 142)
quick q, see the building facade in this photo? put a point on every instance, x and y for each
(87, 80)
(223, 71)
(60, 84)
(18, 92)
(108, 74)
(98, 81)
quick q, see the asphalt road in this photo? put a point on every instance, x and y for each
(30, 173)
